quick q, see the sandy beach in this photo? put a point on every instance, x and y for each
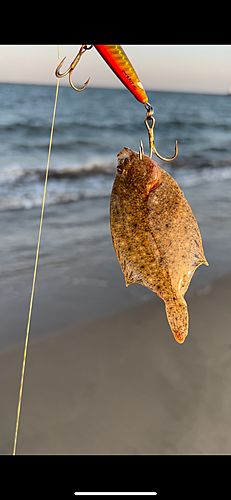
(123, 385)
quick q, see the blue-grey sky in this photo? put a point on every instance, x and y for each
(197, 68)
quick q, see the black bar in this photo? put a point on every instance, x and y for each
(180, 476)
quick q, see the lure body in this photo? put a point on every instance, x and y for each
(155, 234)
(117, 60)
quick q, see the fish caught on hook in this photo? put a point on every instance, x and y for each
(155, 234)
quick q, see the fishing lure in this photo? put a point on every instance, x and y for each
(117, 60)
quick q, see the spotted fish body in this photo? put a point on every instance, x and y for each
(155, 234)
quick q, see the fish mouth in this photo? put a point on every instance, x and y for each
(124, 154)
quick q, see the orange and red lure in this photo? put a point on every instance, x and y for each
(116, 58)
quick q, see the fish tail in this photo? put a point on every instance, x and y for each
(177, 314)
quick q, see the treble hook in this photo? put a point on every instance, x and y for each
(71, 68)
(149, 116)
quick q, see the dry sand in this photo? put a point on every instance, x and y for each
(123, 385)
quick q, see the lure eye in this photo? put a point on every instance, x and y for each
(119, 169)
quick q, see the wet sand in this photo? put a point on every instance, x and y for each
(121, 384)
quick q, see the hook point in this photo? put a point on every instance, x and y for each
(78, 89)
(57, 72)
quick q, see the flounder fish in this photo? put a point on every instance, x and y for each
(155, 234)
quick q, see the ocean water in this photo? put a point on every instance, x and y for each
(91, 127)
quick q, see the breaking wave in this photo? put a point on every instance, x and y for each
(21, 188)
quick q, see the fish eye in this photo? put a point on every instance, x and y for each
(119, 169)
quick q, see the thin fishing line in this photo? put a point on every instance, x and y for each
(35, 272)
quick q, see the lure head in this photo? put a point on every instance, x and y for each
(139, 176)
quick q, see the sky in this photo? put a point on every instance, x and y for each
(189, 68)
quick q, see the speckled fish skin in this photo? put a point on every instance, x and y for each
(155, 234)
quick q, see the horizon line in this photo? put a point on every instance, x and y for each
(202, 92)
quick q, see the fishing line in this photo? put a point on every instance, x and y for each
(35, 272)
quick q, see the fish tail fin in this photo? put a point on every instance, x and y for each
(177, 314)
